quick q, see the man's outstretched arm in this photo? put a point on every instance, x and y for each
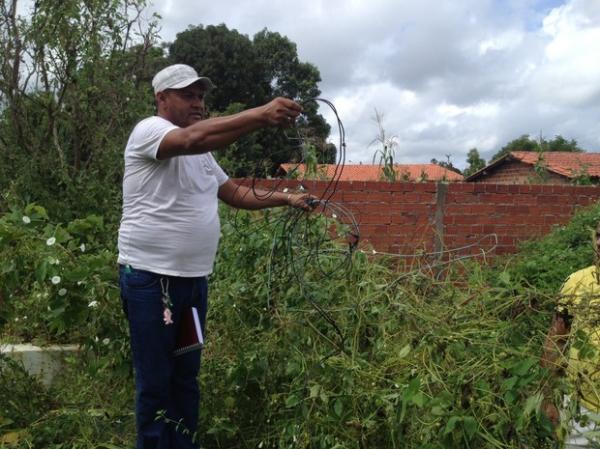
(218, 132)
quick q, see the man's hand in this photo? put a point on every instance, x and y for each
(281, 111)
(302, 201)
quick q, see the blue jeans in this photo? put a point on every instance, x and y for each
(166, 386)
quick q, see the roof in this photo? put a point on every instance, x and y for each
(364, 172)
(564, 163)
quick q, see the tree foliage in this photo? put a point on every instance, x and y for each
(447, 164)
(475, 161)
(70, 91)
(526, 143)
(248, 73)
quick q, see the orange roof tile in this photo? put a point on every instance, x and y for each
(363, 172)
(563, 162)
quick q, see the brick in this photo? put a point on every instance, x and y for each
(547, 199)
(407, 197)
(375, 219)
(469, 199)
(461, 187)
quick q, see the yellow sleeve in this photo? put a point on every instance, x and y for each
(580, 283)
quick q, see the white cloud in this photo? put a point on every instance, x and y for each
(448, 76)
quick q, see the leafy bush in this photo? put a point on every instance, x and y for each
(298, 353)
(423, 364)
(58, 282)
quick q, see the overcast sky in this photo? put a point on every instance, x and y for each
(448, 75)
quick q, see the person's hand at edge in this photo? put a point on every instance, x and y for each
(302, 201)
(281, 112)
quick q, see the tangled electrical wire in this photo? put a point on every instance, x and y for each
(311, 247)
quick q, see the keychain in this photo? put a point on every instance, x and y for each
(167, 314)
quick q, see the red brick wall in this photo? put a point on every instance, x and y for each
(404, 218)
(516, 172)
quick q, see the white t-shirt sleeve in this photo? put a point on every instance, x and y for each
(147, 136)
(219, 173)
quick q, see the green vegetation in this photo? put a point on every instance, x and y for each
(526, 143)
(423, 364)
(385, 154)
(417, 362)
(475, 161)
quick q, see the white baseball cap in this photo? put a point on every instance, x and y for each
(178, 76)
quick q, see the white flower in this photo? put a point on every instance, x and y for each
(51, 241)
(17, 319)
(93, 304)
(55, 280)
(106, 341)
(26, 219)
(334, 216)
(53, 261)
(96, 339)
(82, 247)
(62, 292)
(285, 190)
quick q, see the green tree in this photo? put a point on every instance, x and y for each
(249, 73)
(70, 94)
(228, 58)
(559, 143)
(526, 143)
(475, 161)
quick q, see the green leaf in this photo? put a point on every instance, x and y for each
(510, 383)
(451, 424)
(522, 368)
(504, 278)
(314, 390)
(419, 399)
(338, 407)
(41, 271)
(532, 403)
(292, 401)
(35, 211)
(404, 351)
(470, 425)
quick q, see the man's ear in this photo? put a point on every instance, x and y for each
(161, 97)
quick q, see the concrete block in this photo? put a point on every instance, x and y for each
(43, 362)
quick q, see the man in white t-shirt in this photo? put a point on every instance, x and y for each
(168, 239)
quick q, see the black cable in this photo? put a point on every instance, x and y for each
(311, 242)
